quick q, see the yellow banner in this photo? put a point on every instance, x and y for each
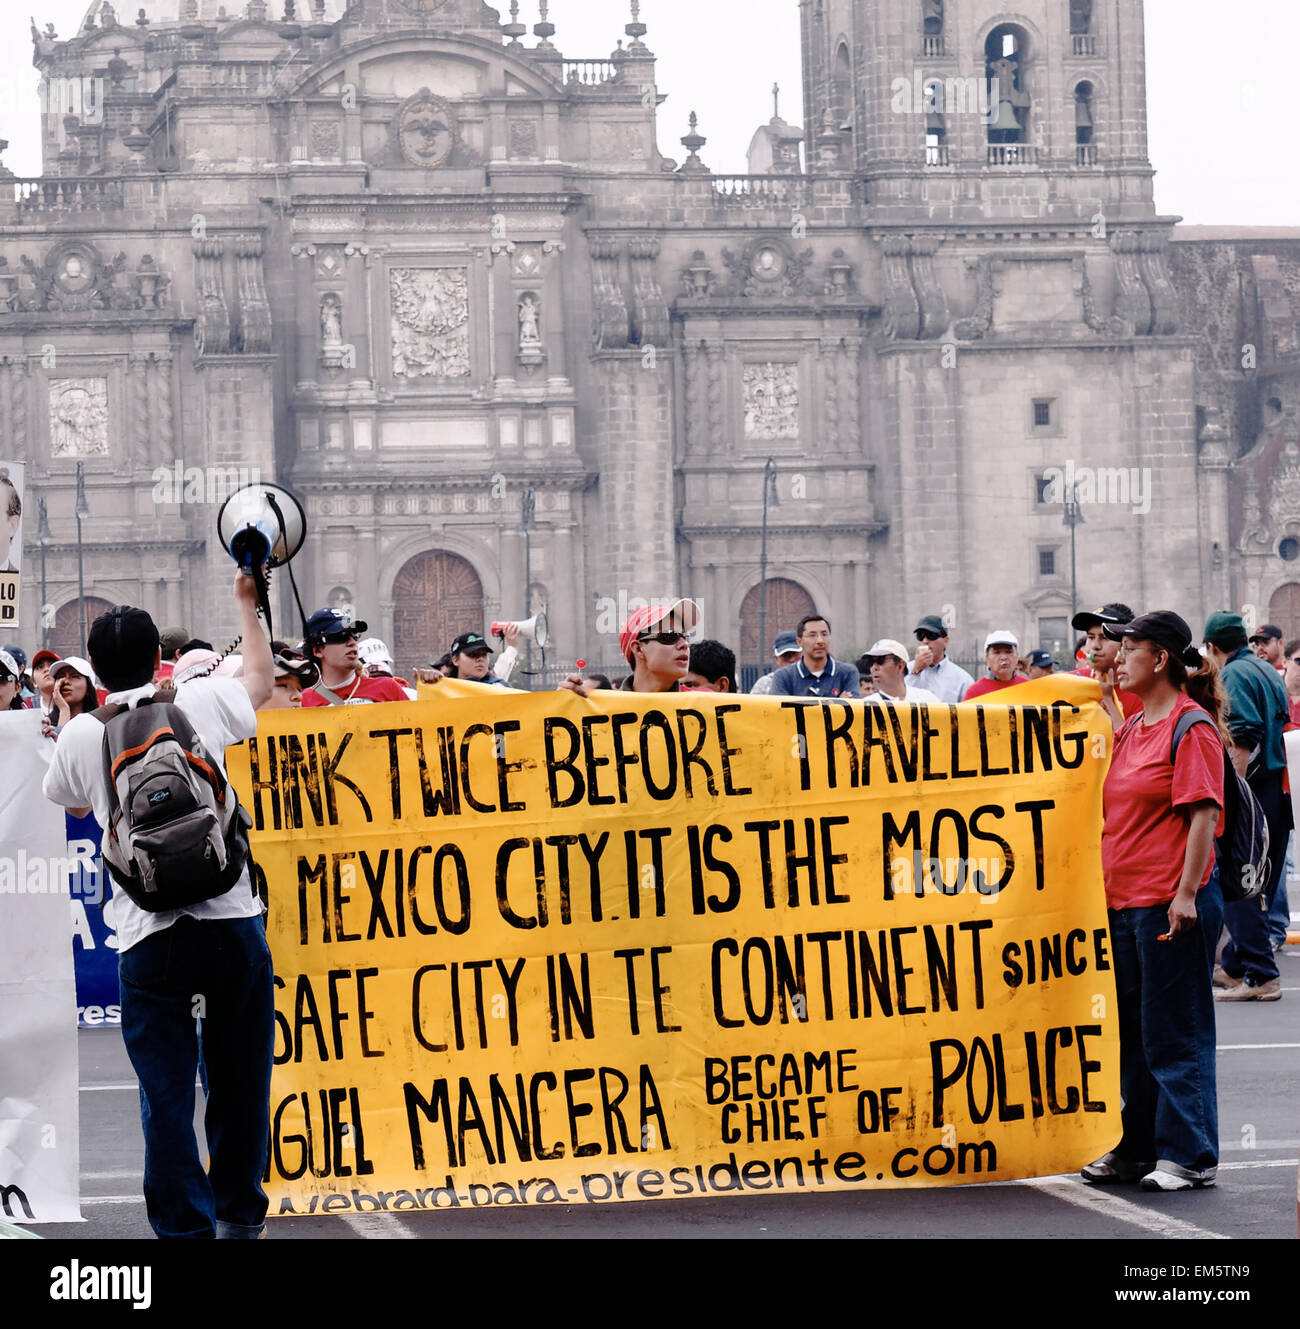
(536, 949)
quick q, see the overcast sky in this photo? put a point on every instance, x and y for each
(1219, 92)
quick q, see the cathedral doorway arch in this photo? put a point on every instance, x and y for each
(437, 595)
(65, 634)
(1284, 609)
(787, 603)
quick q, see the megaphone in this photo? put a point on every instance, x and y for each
(533, 628)
(264, 526)
(261, 524)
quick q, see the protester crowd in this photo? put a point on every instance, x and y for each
(1187, 722)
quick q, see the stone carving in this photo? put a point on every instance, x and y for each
(902, 312)
(771, 401)
(150, 285)
(1284, 489)
(8, 288)
(768, 268)
(430, 322)
(717, 396)
(212, 326)
(529, 312)
(79, 417)
(929, 290)
(610, 309)
(981, 318)
(426, 132)
(851, 350)
(325, 140)
(73, 279)
(1153, 249)
(650, 309)
(830, 403)
(523, 139)
(697, 277)
(16, 372)
(138, 386)
(166, 421)
(695, 368)
(1108, 325)
(331, 321)
(1133, 306)
(254, 308)
(841, 277)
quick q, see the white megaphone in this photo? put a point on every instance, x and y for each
(533, 628)
(261, 524)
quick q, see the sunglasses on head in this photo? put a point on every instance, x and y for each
(338, 638)
(663, 638)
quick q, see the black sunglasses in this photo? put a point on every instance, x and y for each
(928, 636)
(663, 638)
(338, 638)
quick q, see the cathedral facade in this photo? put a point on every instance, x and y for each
(415, 262)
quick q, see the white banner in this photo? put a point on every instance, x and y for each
(38, 1005)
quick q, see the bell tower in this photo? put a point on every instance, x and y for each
(950, 109)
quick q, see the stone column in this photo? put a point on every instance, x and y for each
(308, 318)
(141, 413)
(716, 441)
(163, 407)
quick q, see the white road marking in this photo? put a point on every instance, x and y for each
(112, 1199)
(1270, 1162)
(1254, 1047)
(1073, 1191)
(105, 1088)
(378, 1225)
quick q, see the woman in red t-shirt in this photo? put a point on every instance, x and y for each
(1157, 854)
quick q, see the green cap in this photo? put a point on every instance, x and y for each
(1225, 629)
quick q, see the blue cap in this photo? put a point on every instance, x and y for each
(785, 643)
(20, 655)
(326, 622)
(1041, 659)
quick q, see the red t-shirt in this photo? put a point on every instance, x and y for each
(1144, 837)
(981, 686)
(1129, 703)
(367, 690)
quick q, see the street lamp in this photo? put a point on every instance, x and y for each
(46, 538)
(769, 495)
(527, 519)
(83, 510)
(1073, 519)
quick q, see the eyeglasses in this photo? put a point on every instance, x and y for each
(663, 638)
(338, 638)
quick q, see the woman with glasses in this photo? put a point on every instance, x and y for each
(1157, 855)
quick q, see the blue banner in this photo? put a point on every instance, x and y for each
(94, 941)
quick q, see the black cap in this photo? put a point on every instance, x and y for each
(1163, 627)
(1269, 632)
(328, 622)
(932, 623)
(468, 642)
(1111, 613)
(122, 642)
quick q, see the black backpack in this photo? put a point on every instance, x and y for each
(176, 834)
(1242, 849)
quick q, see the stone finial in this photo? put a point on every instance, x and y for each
(693, 142)
(514, 29)
(544, 30)
(141, 19)
(256, 11)
(107, 15)
(118, 68)
(636, 30)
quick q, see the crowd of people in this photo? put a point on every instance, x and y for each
(1187, 720)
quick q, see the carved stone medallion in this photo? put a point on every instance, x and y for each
(426, 131)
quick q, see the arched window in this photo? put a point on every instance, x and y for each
(932, 27)
(1006, 55)
(1083, 113)
(842, 89)
(936, 128)
(1080, 17)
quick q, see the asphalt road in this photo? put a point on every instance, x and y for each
(1259, 1048)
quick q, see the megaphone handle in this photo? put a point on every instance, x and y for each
(263, 576)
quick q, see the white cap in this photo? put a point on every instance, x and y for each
(1002, 638)
(888, 646)
(83, 667)
(10, 664)
(372, 651)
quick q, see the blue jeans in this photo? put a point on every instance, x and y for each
(1166, 1035)
(220, 968)
(1279, 917)
(1249, 954)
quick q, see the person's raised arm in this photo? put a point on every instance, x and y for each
(258, 678)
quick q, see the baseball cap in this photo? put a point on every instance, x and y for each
(327, 622)
(122, 644)
(291, 661)
(9, 665)
(19, 655)
(1002, 637)
(195, 664)
(42, 656)
(1166, 629)
(1041, 659)
(785, 643)
(467, 643)
(172, 639)
(1225, 629)
(1095, 618)
(73, 663)
(932, 623)
(685, 613)
(373, 652)
(887, 646)
(1269, 632)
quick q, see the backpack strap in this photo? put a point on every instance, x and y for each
(1185, 722)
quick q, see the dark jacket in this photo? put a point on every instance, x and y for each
(1258, 709)
(838, 680)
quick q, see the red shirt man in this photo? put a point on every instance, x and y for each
(1001, 652)
(332, 641)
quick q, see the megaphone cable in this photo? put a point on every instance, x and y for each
(302, 613)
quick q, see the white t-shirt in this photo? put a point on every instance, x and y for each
(221, 713)
(913, 694)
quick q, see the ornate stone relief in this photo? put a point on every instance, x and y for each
(771, 401)
(212, 326)
(254, 308)
(902, 313)
(426, 130)
(768, 268)
(609, 307)
(981, 319)
(79, 417)
(1133, 307)
(523, 139)
(650, 310)
(929, 290)
(72, 278)
(1152, 262)
(430, 322)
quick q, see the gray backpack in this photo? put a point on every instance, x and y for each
(176, 834)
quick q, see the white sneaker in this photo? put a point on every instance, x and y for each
(1182, 1180)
